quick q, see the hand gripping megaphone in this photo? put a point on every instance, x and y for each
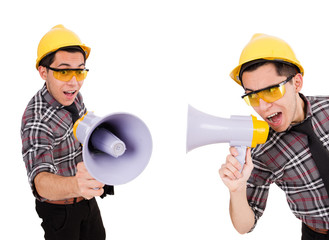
(239, 131)
(116, 148)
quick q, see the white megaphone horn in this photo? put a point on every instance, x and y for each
(239, 131)
(116, 148)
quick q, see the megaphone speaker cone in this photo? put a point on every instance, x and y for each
(126, 159)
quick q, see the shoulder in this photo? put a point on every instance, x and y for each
(272, 139)
(319, 106)
(318, 101)
(37, 111)
(317, 98)
(275, 152)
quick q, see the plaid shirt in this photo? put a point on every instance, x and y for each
(285, 159)
(47, 137)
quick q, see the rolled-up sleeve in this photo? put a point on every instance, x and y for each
(37, 150)
(257, 191)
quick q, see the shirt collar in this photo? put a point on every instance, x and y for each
(49, 98)
(309, 112)
(53, 102)
(308, 109)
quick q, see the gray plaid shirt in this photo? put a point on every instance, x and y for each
(48, 144)
(285, 159)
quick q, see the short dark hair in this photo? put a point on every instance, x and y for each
(282, 68)
(49, 58)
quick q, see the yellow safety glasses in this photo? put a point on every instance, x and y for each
(67, 74)
(269, 94)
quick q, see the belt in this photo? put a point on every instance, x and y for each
(318, 230)
(66, 201)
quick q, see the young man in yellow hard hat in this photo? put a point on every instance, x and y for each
(295, 156)
(63, 188)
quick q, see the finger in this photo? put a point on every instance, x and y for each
(81, 169)
(82, 172)
(221, 170)
(81, 166)
(84, 176)
(248, 157)
(224, 173)
(94, 184)
(234, 152)
(249, 164)
(233, 161)
(89, 192)
(93, 193)
(228, 174)
(235, 171)
(229, 170)
(97, 192)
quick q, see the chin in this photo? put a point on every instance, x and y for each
(280, 128)
(66, 103)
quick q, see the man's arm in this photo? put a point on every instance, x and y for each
(242, 216)
(54, 187)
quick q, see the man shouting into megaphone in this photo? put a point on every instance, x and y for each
(63, 188)
(295, 156)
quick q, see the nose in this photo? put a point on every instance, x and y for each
(263, 105)
(73, 81)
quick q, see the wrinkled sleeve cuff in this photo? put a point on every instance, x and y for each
(257, 215)
(46, 167)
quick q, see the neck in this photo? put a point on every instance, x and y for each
(300, 110)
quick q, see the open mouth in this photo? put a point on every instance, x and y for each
(275, 117)
(70, 93)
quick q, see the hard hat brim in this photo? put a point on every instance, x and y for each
(84, 48)
(235, 73)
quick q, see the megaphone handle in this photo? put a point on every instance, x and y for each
(242, 155)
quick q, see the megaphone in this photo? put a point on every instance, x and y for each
(239, 131)
(116, 148)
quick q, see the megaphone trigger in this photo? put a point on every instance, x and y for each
(241, 155)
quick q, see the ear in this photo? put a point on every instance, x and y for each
(43, 72)
(298, 82)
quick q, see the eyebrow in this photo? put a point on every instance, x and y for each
(68, 65)
(275, 85)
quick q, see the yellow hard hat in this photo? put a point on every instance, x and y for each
(262, 46)
(56, 38)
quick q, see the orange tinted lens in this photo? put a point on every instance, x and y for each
(252, 100)
(272, 94)
(268, 95)
(81, 74)
(63, 75)
(67, 75)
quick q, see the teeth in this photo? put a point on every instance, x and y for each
(274, 114)
(70, 92)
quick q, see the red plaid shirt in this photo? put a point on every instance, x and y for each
(285, 159)
(47, 137)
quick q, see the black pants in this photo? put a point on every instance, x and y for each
(309, 234)
(78, 221)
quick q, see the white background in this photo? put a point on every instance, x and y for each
(152, 59)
